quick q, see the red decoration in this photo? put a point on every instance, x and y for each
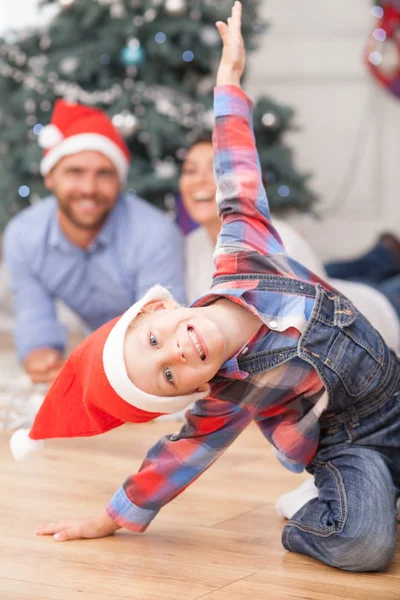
(382, 51)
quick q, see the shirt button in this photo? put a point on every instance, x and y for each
(302, 287)
(273, 324)
(245, 350)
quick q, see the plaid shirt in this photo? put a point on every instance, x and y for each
(285, 401)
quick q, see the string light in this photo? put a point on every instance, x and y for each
(160, 37)
(24, 191)
(377, 11)
(283, 191)
(188, 56)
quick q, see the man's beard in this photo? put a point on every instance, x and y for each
(93, 226)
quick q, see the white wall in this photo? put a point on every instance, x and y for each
(18, 14)
(312, 59)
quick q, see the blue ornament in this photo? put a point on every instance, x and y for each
(133, 54)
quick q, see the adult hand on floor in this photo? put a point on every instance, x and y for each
(43, 364)
(78, 529)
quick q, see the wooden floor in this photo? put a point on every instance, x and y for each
(219, 541)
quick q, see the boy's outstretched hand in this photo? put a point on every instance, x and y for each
(233, 58)
(77, 529)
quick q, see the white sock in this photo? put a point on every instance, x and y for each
(288, 504)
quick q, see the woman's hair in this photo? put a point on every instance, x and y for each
(203, 138)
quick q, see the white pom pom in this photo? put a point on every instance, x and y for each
(50, 136)
(21, 444)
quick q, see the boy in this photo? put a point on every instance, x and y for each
(270, 343)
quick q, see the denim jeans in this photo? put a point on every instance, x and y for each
(374, 266)
(352, 524)
(377, 268)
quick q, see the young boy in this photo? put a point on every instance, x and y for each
(269, 343)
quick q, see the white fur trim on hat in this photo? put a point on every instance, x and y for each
(115, 370)
(86, 141)
(49, 136)
(21, 444)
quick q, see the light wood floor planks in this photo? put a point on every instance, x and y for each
(219, 541)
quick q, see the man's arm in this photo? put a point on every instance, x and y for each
(163, 262)
(39, 337)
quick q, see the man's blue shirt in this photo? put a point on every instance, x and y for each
(137, 247)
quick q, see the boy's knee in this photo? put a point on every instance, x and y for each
(364, 550)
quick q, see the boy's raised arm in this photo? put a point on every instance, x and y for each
(241, 197)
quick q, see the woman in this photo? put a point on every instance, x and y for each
(198, 189)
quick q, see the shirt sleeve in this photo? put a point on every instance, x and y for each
(241, 197)
(35, 314)
(176, 461)
(165, 263)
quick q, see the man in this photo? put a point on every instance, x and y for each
(88, 244)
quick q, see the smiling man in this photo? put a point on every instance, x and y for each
(89, 244)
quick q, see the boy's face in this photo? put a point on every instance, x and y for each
(171, 350)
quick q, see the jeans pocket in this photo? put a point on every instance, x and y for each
(356, 355)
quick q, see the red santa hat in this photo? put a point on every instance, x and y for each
(75, 128)
(93, 393)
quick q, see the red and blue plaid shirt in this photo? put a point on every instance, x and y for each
(285, 402)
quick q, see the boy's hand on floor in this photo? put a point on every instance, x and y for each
(233, 57)
(78, 529)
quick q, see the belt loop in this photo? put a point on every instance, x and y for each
(353, 414)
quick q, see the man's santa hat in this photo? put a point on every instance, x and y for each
(93, 393)
(75, 128)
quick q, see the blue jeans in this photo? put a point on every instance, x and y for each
(377, 268)
(352, 524)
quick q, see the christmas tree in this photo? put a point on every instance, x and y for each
(151, 65)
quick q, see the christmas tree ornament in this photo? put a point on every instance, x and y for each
(45, 105)
(132, 53)
(117, 10)
(270, 120)
(126, 123)
(150, 15)
(209, 36)
(30, 105)
(382, 52)
(69, 65)
(166, 169)
(175, 7)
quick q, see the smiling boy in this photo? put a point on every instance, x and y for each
(269, 343)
